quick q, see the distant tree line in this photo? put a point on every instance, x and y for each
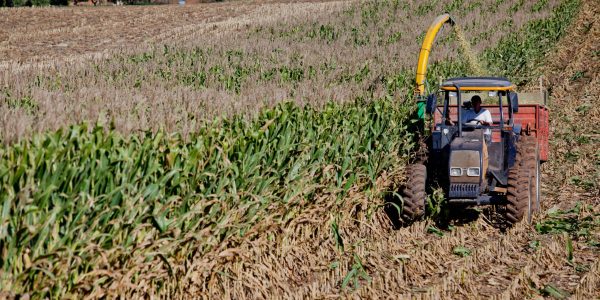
(14, 3)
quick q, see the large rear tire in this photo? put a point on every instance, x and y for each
(414, 194)
(530, 160)
(519, 196)
(522, 192)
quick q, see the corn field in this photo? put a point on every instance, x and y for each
(337, 51)
(91, 191)
(254, 159)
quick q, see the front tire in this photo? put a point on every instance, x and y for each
(414, 194)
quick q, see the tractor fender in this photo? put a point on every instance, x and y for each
(501, 178)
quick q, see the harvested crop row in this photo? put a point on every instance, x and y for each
(70, 33)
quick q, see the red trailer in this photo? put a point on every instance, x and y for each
(534, 122)
(532, 117)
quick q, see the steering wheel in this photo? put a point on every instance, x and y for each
(473, 122)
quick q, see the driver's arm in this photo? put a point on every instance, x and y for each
(487, 118)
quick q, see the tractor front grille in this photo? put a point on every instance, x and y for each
(464, 190)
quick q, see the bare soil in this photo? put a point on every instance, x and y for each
(44, 34)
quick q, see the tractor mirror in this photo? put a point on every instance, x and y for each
(514, 101)
(431, 103)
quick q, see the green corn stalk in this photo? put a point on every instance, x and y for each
(78, 192)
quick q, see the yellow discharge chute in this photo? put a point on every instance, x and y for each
(426, 49)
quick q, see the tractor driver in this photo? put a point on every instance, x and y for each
(481, 115)
(477, 114)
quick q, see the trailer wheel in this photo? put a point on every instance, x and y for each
(414, 194)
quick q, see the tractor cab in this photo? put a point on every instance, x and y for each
(473, 146)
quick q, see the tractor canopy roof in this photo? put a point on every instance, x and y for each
(478, 84)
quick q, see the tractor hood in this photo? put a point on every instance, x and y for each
(465, 165)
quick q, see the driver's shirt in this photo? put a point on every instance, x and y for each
(483, 115)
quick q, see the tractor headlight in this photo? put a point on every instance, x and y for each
(455, 171)
(473, 172)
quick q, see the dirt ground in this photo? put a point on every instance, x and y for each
(48, 34)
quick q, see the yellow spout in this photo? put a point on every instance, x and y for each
(426, 48)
